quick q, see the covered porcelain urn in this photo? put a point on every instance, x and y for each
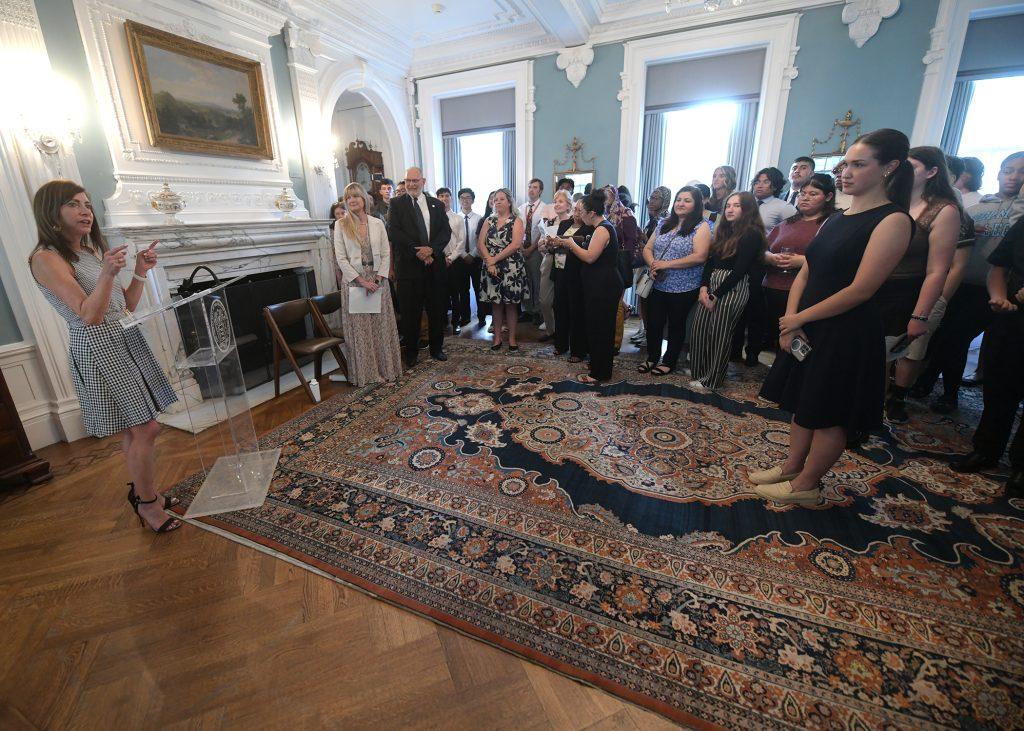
(167, 202)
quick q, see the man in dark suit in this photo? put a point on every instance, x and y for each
(419, 231)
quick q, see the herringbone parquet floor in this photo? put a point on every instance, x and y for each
(107, 626)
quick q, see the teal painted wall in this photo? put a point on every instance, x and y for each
(591, 113)
(291, 151)
(881, 81)
(67, 57)
(9, 330)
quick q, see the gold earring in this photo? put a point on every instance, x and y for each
(57, 227)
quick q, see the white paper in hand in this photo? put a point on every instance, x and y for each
(551, 230)
(361, 302)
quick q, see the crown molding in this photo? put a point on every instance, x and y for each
(619, 23)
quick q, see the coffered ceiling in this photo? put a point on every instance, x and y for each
(437, 37)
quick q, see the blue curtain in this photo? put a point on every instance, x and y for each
(741, 141)
(652, 160)
(452, 164)
(508, 160)
(963, 92)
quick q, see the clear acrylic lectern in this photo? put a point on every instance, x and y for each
(194, 339)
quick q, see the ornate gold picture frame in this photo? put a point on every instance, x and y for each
(197, 98)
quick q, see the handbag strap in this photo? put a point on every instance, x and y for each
(188, 282)
(658, 231)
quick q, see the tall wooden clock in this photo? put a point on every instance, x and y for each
(363, 163)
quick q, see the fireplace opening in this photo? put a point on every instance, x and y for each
(246, 299)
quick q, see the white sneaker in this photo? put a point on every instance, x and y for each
(543, 326)
(697, 386)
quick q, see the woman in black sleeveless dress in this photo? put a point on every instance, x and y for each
(570, 326)
(602, 286)
(839, 387)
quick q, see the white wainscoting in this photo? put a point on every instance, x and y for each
(45, 422)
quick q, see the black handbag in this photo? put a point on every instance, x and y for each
(189, 287)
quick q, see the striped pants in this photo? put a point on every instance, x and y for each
(711, 337)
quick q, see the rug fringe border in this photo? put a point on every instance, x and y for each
(345, 578)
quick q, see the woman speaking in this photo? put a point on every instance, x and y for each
(119, 384)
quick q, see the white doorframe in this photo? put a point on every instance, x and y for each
(943, 60)
(517, 76)
(777, 35)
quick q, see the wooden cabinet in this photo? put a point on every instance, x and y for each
(18, 464)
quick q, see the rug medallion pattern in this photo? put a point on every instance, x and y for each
(611, 534)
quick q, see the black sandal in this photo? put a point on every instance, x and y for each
(662, 370)
(166, 527)
(169, 502)
(497, 346)
(513, 348)
(575, 359)
(646, 367)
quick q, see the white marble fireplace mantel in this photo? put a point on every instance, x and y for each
(235, 249)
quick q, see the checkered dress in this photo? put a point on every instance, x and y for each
(117, 379)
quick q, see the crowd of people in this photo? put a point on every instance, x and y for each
(883, 270)
(860, 287)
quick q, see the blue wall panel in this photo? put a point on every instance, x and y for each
(591, 113)
(881, 81)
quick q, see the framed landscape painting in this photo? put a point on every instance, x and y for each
(197, 98)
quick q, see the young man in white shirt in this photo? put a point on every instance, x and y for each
(532, 213)
(455, 255)
(765, 187)
(799, 173)
(470, 224)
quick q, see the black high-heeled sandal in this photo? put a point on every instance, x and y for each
(166, 527)
(169, 502)
(646, 367)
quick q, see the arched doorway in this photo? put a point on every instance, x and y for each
(357, 126)
(357, 102)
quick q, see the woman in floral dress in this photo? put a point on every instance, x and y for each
(504, 282)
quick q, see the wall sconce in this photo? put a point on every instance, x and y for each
(46, 110)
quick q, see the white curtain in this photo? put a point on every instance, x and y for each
(508, 160)
(741, 141)
(652, 160)
(452, 164)
(963, 92)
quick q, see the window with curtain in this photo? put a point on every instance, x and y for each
(991, 124)
(482, 164)
(478, 142)
(988, 97)
(700, 113)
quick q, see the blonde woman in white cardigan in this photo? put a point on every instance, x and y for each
(364, 257)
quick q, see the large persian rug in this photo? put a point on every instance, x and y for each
(611, 534)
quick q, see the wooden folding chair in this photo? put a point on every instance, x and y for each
(323, 305)
(289, 313)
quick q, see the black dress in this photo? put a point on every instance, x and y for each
(570, 327)
(602, 292)
(842, 381)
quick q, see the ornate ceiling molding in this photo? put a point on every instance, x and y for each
(865, 16)
(574, 62)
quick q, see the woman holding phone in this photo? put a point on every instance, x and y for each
(602, 286)
(119, 384)
(838, 386)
